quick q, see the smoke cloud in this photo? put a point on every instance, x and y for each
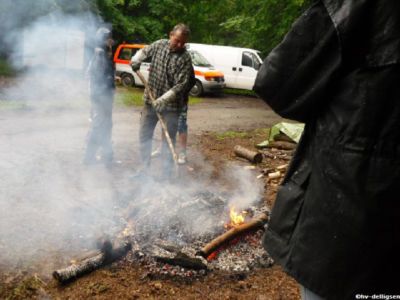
(50, 204)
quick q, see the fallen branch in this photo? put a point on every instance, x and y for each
(255, 224)
(106, 255)
(252, 156)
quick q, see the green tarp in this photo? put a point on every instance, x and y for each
(292, 130)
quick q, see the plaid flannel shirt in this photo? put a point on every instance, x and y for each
(168, 71)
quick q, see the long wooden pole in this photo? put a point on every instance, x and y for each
(164, 127)
(255, 224)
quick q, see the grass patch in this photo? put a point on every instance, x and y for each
(129, 96)
(6, 69)
(194, 100)
(263, 132)
(231, 135)
(240, 92)
(28, 288)
(134, 97)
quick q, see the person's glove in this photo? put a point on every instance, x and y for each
(135, 66)
(161, 102)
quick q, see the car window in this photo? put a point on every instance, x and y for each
(246, 59)
(249, 59)
(199, 60)
(126, 53)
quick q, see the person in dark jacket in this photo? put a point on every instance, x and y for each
(336, 221)
(101, 79)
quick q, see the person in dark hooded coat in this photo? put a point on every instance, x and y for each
(335, 225)
(101, 77)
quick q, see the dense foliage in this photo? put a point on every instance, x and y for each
(258, 24)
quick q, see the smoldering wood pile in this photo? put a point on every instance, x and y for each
(241, 251)
(165, 233)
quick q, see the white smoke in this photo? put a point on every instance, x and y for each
(49, 203)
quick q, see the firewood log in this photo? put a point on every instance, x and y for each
(183, 260)
(255, 224)
(85, 266)
(106, 255)
(252, 156)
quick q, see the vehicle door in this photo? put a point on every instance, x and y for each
(248, 69)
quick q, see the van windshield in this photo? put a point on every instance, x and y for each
(199, 60)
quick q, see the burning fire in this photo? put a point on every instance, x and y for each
(236, 218)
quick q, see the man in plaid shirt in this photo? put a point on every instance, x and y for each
(169, 80)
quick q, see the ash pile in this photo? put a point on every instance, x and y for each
(168, 230)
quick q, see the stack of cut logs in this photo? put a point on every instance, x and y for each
(275, 150)
(275, 175)
(279, 149)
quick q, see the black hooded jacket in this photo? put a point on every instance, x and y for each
(335, 225)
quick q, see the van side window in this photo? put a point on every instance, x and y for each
(250, 60)
(246, 59)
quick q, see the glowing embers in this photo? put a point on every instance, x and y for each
(180, 241)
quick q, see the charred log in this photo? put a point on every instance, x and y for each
(182, 260)
(106, 255)
(252, 156)
(255, 224)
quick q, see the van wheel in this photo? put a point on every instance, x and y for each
(197, 89)
(127, 80)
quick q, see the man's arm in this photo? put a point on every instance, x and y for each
(295, 76)
(141, 55)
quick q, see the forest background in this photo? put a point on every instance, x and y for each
(257, 24)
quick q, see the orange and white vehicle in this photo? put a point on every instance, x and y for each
(208, 79)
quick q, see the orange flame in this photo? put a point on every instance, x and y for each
(236, 218)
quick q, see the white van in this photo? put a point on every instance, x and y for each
(208, 79)
(239, 65)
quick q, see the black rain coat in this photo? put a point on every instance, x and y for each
(335, 225)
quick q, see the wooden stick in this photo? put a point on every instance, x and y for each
(164, 127)
(257, 223)
(252, 156)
